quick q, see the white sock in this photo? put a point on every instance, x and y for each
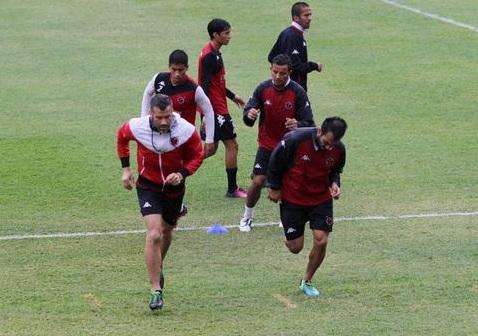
(248, 212)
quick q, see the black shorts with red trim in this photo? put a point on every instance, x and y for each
(158, 203)
(294, 217)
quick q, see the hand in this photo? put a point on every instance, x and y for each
(291, 124)
(174, 179)
(253, 113)
(334, 190)
(239, 101)
(320, 68)
(274, 195)
(127, 178)
(209, 149)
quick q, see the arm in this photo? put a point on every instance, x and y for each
(192, 155)
(206, 108)
(303, 110)
(123, 136)
(252, 108)
(235, 98)
(291, 44)
(208, 70)
(334, 176)
(147, 95)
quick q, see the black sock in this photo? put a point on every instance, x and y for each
(231, 179)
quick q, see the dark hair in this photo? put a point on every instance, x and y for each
(161, 101)
(296, 9)
(217, 26)
(336, 125)
(281, 59)
(178, 57)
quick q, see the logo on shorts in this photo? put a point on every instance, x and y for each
(291, 230)
(180, 100)
(258, 166)
(221, 120)
(173, 141)
(295, 52)
(329, 221)
(147, 205)
(288, 105)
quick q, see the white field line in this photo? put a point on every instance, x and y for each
(431, 15)
(125, 232)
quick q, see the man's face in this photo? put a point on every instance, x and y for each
(304, 18)
(279, 74)
(178, 73)
(223, 37)
(328, 140)
(162, 118)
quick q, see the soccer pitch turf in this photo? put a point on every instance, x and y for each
(406, 84)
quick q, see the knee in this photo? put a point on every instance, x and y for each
(294, 248)
(154, 235)
(232, 145)
(258, 181)
(320, 241)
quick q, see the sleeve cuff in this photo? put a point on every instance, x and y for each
(184, 172)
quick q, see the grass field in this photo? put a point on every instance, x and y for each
(71, 72)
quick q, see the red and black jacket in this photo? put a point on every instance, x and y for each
(303, 169)
(277, 104)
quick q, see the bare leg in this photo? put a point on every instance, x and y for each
(254, 191)
(317, 253)
(231, 150)
(158, 240)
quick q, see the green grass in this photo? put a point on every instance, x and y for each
(72, 72)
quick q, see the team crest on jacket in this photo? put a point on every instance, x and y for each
(329, 162)
(173, 141)
(288, 105)
(180, 100)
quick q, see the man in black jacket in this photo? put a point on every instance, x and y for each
(292, 43)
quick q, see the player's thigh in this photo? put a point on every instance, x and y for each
(321, 217)
(261, 162)
(293, 219)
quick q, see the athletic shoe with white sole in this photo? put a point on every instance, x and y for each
(245, 225)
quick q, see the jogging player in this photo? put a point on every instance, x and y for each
(281, 105)
(185, 94)
(291, 42)
(211, 77)
(168, 150)
(304, 174)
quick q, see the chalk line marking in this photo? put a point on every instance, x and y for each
(431, 15)
(200, 228)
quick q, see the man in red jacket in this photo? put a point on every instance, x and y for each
(169, 150)
(304, 174)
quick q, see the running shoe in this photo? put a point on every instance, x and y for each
(308, 289)
(156, 300)
(245, 225)
(238, 193)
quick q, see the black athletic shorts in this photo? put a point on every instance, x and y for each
(223, 128)
(158, 203)
(261, 162)
(294, 217)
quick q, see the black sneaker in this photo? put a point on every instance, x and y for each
(156, 300)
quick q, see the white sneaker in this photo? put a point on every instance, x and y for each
(245, 225)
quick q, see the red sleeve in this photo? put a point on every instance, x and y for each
(193, 155)
(123, 136)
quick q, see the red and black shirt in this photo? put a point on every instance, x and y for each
(212, 78)
(303, 169)
(277, 104)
